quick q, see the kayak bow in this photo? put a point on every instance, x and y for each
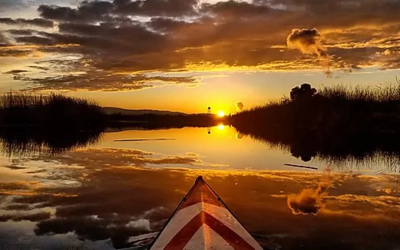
(203, 221)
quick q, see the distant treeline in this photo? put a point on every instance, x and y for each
(330, 122)
(156, 121)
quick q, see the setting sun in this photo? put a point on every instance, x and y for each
(221, 113)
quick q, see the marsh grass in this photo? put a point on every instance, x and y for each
(54, 110)
(54, 123)
(337, 122)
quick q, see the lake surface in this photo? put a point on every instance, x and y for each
(119, 191)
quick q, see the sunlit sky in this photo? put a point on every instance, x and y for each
(187, 55)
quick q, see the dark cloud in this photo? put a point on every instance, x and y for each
(104, 81)
(236, 9)
(123, 39)
(12, 5)
(40, 22)
(14, 167)
(90, 229)
(90, 11)
(21, 32)
(177, 8)
(38, 67)
(166, 24)
(244, 56)
(16, 71)
(15, 186)
(93, 40)
(87, 11)
(4, 40)
(36, 40)
(179, 35)
(29, 217)
(19, 207)
(137, 158)
(307, 41)
(310, 201)
(10, 52)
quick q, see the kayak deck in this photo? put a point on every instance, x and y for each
(203, 221)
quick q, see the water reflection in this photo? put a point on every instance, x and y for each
(307, 145)
(19, 142)
(117, 204)
(119, 192)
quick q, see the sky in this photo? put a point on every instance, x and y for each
(187, 55)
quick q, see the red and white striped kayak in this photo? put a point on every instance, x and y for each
(203, 221)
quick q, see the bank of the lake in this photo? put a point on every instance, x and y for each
(336, 121)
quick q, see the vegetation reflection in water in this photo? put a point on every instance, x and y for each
(336, 123)
(47, 123)
(20, 142)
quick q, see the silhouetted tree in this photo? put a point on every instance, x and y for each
(305, 91)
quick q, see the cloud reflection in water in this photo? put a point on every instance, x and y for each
(116, 203)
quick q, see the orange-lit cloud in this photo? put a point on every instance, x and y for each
(310, 201)
(29, 217)
(181, 35)
(307, 41)
(254, 197)
(33, 22)
(95, 80)
(130, 158)
(310, 41)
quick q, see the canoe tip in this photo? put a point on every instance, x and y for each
(199, 178)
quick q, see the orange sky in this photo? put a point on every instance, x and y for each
(186, 55)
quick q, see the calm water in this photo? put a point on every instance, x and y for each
(118, 192)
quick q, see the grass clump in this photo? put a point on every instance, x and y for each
(55, 111)
(48, 123)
